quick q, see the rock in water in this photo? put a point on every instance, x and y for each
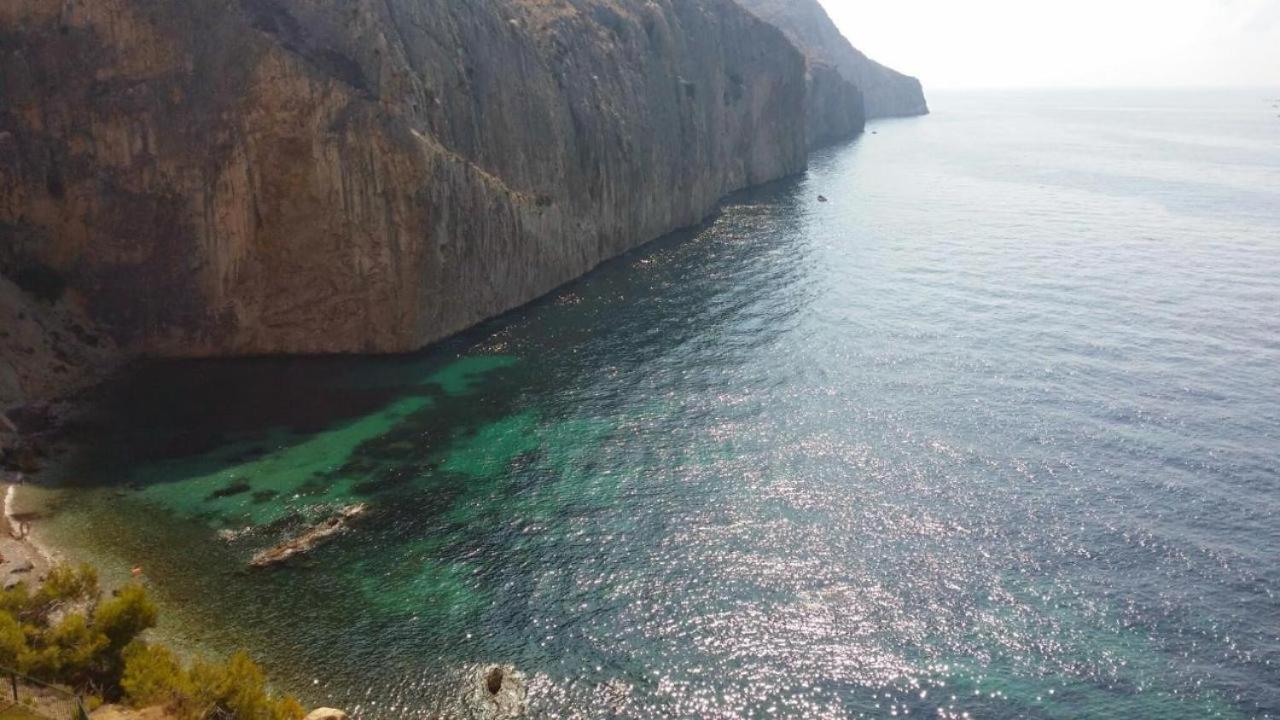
(497, 691)
(229, 535)
(308, 540)
(326, 714)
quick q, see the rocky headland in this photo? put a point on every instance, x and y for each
(885, 92)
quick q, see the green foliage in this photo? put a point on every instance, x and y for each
(66, 652)
(65, 633)
(16, 600)
(65, 585)
(13, 641)
(126, 615)
(237, 687)
(153, 676)
(70, 584)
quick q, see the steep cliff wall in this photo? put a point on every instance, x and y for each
(311, 176)
(886, 92)
(834, 108)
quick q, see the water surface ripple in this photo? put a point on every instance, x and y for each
(993, 433)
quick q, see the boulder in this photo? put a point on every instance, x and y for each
(497, 691)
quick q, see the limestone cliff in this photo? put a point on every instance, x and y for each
(885, 92)
(314, 176)
(834, 109)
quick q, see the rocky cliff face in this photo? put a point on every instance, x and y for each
(46, 348)
(313, 176)
(834, 107)
(886, 92)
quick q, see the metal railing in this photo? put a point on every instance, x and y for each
(26, 698)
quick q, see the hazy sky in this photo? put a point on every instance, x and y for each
(1032, 43)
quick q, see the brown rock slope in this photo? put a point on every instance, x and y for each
(296, 176)
(886, 92)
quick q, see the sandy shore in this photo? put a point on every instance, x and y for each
(21, 556)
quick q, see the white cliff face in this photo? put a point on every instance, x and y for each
(293, 176)
(885, 92)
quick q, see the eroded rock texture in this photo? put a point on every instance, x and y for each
(885, 92)
(312, 176)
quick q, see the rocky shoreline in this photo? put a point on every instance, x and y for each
(24, 559)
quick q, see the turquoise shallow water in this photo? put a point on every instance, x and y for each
(993, 433)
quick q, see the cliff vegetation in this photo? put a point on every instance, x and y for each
(65, 632)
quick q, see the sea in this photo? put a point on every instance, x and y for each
(991, 432)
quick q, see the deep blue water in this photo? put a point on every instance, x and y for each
(994, 433)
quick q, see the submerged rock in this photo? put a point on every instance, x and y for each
(229, 535)
(236, 488)
(497, 691)
(308, 540)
